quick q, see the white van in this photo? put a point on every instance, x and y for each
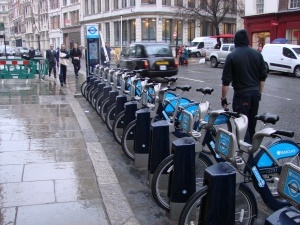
(282, 57)
(200, 44)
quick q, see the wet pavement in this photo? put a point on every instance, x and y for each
(53, 169)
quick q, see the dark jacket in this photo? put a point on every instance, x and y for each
(75, 53)
(31, 53)
(51, 55)
(108, 49)
(244, 67)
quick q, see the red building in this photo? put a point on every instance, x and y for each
(264, 28)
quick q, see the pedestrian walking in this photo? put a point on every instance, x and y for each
(103, 55)
(75, 55)
(63, 63)
(185, 56)
(245, 69)
(51, 57)
(31, 53)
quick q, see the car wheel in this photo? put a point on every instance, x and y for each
(297, 71)
(198, 54)
(267, 67)
(213, 62)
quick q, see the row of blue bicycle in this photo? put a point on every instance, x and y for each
(121, 96)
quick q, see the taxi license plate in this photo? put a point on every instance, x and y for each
(163, 67)
(162, 63)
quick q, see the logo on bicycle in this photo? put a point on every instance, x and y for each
(224, 143)
(292, 187)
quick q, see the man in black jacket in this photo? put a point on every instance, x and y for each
(245, 69)
(75, 54)
(31, 53)
(51, 57)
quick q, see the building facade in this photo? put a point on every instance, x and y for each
(266, 20)
(146, 20)
(5, 20)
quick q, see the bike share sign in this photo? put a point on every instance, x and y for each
(92, 31)
(292, 188)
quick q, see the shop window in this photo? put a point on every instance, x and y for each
(149, 29)
(178, 3)
(166, 2)
(148, 1)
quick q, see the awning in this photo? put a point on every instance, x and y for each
(223, 36)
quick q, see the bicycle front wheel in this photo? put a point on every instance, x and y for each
(245, 207)
(118, 126)
(110, 116)
(103, 109)
(160, 180)
(128, 140)
(83, 87)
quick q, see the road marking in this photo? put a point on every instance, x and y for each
(274, 96)
(191, 79)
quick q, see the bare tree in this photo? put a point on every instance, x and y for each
(213, 11)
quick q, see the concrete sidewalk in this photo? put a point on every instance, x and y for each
(53, 169)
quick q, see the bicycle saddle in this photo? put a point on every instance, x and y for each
(206, 90)
(184, 87)
(267, 118)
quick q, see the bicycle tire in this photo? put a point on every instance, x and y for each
(87, 89)
(94, 98)
(161, 177)
(128, 140)
(110, 116)
(244, 198)
(82, 88)
(103, 109)
(98, 103)
(91, 92)
(118, 126)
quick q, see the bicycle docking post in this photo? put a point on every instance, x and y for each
(130, 109)
(121, 100)
(288, 215)
(159, 146)
(112, 97)
(220, 199)
(182, 178)
(142, 138)
(106, 91)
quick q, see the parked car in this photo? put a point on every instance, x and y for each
(8, 50)
(219, 57)
(156, 59)
(282, 58)
(19, 51)
(38, 53)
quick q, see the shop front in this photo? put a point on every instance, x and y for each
(264, 28)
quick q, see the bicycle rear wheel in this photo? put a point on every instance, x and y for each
(83, 87)
(103, 109)
(160, 180)
(245, 207)
(110, 116)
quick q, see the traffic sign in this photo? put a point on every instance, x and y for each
(2, 26)
(174, 34)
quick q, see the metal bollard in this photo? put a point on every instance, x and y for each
(286, 216)
(130, 109)
(220, 199)
(182, 179)
(141, 137)
(121, 100)
(159, 146)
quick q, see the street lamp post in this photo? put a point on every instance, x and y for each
(121, 30)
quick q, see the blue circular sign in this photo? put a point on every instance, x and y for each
(92, 30)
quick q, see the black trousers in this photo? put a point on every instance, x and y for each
(76, 67)
(247, 103)
(63, 74)
(52, 65)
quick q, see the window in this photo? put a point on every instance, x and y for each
(149, 29)
(232, 47)
(148, 1)
(124, 33)
(203, 4)
(74, 1)
(107, 32)
(107, 5)
(93, 6)
(54, 22)
(166, 30)
(229, 28)
(178, 29)
(207, 29)
(74, 18)
(191, 3)
(116, 4)
(117, 33)
(259, 6)
(3, 8)
(86, 7)
(64, 2)
(124, 3)
(294, 4)
(132, 33)
(132, 2)
(166, 2)
(191, 31)
(288, 53)
(178, 2)
(54, 4)
(99, 6)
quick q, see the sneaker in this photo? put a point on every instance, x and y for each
(61, 84)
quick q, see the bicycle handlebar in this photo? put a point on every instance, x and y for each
(284, 133)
